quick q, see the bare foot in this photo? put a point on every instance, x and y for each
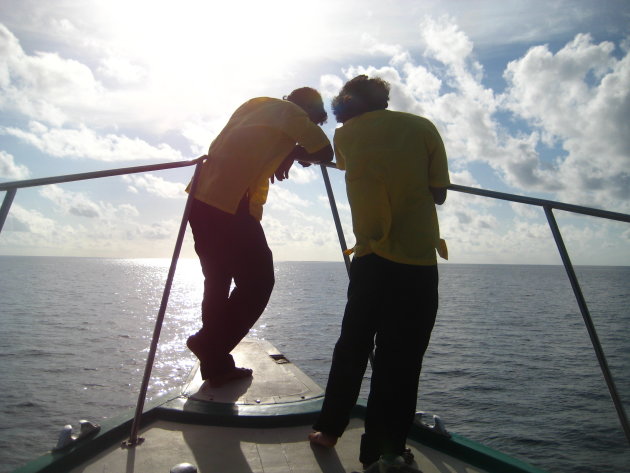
(322, 439)
(232, 375)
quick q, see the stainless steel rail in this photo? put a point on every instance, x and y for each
(12, 187)
(337, 220)
(135, 426)
(547, 205)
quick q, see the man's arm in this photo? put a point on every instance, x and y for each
(439, 194)
(324, 155)
(305, 158)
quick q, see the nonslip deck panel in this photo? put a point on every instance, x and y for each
(275, 379)
(250, 450)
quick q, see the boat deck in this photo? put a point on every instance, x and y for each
(264, 448)
(250, 450)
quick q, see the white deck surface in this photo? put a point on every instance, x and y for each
(251, 450)
(235, 450)
(274, 379)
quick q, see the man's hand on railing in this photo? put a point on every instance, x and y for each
(282, 172)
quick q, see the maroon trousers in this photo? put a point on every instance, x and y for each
(230, 248)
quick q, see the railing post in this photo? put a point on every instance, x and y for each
(6, 205)
(342, 238)
(333, 208)
(590, 327)
(133, 438)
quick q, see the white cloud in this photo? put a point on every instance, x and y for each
(579, 98)
(82, 142)
(303, 175)
(157, 231)
(282, 198)
(9, 169)
(23, 220)
(446, 42)
(576, 100)
(526, 211)
(155, 185)
(43, 85)
(91, 85)
(73, 203)
(342, 206)
(115, 233)
(80, 204)
(122, 71)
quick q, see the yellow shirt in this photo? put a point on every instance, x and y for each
(391, 159)
(257, 138)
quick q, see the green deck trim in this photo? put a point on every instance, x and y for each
(180, 409)
(467, 450)
(471, 452)
(113, 431)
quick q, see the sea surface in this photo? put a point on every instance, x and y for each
(510, 364)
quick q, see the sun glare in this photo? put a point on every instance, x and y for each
(193, 35)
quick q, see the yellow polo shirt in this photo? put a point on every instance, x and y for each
(391, 159)
(257, 138)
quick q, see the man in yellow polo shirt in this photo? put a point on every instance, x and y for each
(261, 141)
(396, 171)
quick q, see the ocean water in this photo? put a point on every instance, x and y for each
(510, 363)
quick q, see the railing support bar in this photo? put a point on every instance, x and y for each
(590, 327)
(333, 207)
(6, 205)
(342, 238)
(133, 438)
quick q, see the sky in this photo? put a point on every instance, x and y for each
(531, 97)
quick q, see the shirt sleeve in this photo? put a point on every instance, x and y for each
(307, 134)
(340, 161)
(438, 163)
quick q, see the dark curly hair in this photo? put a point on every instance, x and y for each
(360, 95)
(311, 102)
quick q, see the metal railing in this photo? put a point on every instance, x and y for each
(547, 205)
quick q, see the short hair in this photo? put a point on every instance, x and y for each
(360, 95)
(311, 102)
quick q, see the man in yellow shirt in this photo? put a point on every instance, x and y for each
(396, 171)
(261, 141)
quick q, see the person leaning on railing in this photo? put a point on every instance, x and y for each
(396, 171)
(260, 142)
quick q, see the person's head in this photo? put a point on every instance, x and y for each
(360, 95)
(311, 102)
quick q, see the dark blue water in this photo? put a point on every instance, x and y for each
(510, 364)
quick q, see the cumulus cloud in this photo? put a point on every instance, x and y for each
(82, 142)
(575, 104)
(579, 98)
(283, 199)
(80, 204)
(303, 175)
(155, 185)
(122, 71)
(73, 203)
(115, 232)
(564, 136)
(43, 85)
(342, 206)
(23, 220)
(9, 169)
(557, 128)
(69, 96)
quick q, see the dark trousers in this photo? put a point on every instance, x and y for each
(392, 307)
(230, 248)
